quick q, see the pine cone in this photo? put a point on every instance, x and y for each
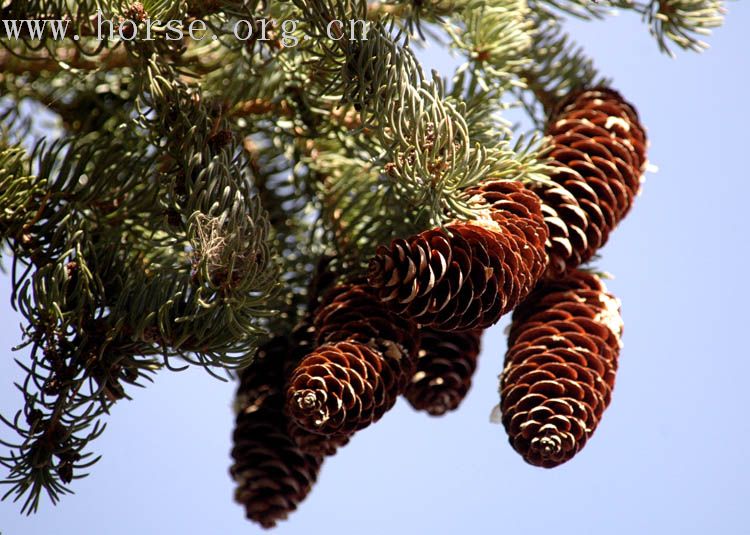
(272, 474)
(446, 363)
(303, 341)
(365, 358)
(560, 368)
(345, 386)
(599, 148)
(463, 277)
(567, 223)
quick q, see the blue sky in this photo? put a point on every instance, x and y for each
(671, 454)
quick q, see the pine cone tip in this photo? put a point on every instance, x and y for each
(311, 404)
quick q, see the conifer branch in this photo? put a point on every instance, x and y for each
(200, 195)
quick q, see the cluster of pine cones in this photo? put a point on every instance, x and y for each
(412, 325)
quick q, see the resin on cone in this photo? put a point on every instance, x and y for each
(519, 209)
(468, 274)
(599, 154)
(446, 364)
(560, 368)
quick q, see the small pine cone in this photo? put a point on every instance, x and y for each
(351, 319)
(272, 474)
(599, 148)
(560, 368)
(345, 386)
(463, 277)
(302, 341)
(446, 364)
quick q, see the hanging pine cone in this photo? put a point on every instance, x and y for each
(599, 149)
(560, 368)
(343, 387)
(272, 474)
(465, 276)
(365, 358)
(446, 364)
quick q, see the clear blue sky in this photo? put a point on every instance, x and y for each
(671, 455)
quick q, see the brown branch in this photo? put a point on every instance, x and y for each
(259, 106)
(111, 58)
(346, 117)
(376, 10)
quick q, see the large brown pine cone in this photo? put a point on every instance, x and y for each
(446, 364)
(465, 276)
(272, 473)
(560, 368)
(343, 387)
(599, 149)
